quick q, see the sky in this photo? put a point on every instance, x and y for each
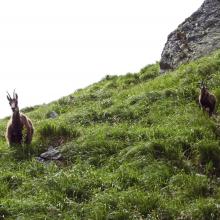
(50, 48)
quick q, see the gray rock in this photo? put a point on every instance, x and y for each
(53, 114)
(51, 154)
(40, 159)
(197, 36)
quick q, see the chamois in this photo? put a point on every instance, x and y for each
(19, 129)
(207, 100)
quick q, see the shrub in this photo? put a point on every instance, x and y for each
(158, 150)
(110, 77)
(129, 79)
(4, 212)
(23, 152)
(55, 134)
(205, 209)
(170, 93)
(153, 96)
(149, 72)
(135, 152)
(217, 95)
(106, 103)
(185, 145)
(207, 67)
(190, 186)
(210, 155)
(52, 129)
(30, 109)
(12, 181)
(188, 93)
(127, 177)
(79, 194)
(135, 99)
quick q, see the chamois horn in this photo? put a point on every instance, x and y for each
(8, 96)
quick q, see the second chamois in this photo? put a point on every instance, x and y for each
(207, 100)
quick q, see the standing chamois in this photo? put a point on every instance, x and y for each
(207, 100)
(20, 129)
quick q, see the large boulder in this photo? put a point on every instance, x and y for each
(197, 36)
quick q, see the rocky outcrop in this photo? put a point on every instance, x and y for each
(197, 36)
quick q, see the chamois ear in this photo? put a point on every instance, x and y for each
(15, 95)
(205, 85)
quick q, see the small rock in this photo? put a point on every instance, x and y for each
(40, 159)
(51, 154)
(53, 114)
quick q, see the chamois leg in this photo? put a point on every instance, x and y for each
(8, 135)
(28, 127)
(211, 111)
(28, 137)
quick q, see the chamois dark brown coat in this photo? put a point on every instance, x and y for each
(20, 129)
(207, 100)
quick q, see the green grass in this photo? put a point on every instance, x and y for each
(136, 147)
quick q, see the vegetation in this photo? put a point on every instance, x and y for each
(136, 147)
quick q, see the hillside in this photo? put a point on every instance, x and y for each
(135, 147)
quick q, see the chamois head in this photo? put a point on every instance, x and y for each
(203, 87)
(13, 102)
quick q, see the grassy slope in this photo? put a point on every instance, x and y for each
(136, 147)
